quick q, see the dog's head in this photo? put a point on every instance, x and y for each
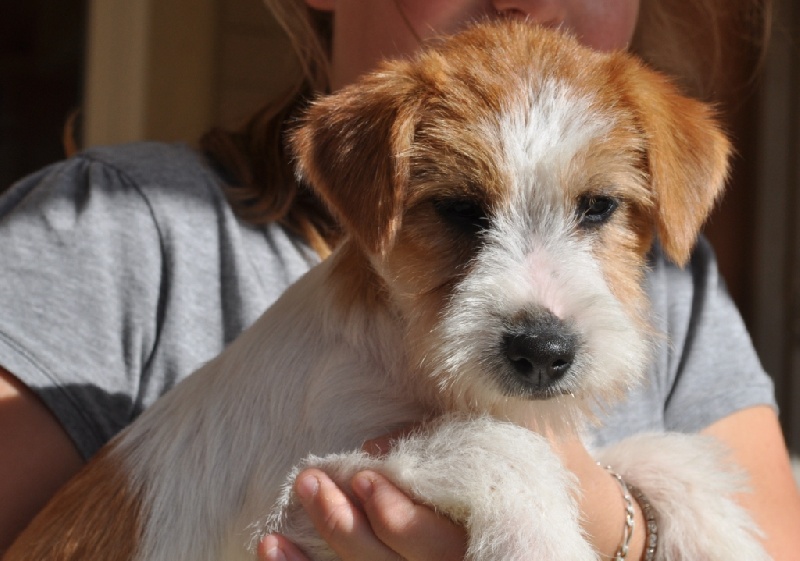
(506, 186)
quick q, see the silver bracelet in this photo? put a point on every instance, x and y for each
(630, 519)
(651, 526)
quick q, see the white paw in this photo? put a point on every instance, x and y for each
(503, 483)
(691, 482)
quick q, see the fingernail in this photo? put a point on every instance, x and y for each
(363, 486)
(307, 487)
(271, 548)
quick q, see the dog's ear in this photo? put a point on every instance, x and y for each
(687, 157)
(352, 148)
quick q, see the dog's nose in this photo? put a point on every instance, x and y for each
(540, 350)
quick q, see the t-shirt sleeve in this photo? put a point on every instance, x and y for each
(78, 240)
(713, 367)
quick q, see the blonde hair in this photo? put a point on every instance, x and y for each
(692, 40)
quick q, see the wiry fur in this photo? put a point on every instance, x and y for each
(699, 512)
(409, 319)
(485, 452)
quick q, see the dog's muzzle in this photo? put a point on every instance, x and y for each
(540, 349)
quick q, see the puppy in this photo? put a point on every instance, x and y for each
(500, 193)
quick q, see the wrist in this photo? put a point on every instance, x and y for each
(602, 503)
(635, 503)
(604, 512)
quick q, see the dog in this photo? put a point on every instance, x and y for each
(500, 193)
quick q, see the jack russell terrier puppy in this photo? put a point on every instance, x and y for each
(500, 192)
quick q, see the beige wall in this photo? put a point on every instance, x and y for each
(169, 69)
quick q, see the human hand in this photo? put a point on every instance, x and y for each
(385, 524)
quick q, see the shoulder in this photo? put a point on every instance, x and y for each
(127, 204)
(118, 181)
(124, 269)
(709, 367)
(148, 163)
(163, 199)
(174, 193)
(157, 197)
(160, 173)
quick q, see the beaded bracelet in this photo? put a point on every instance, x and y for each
(651, 526)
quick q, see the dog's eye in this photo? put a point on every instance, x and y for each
(467, 215)
(594, 210)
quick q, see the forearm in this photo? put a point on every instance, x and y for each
(603, 508)
(755, 439)
(38, 457)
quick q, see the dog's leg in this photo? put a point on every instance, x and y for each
(691, 484)
(503, 483)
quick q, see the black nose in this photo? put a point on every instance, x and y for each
(540, 349)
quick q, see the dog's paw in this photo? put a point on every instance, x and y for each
(691, 481)
(501, 482)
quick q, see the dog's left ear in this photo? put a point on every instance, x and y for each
(687, 156)
(352, 148)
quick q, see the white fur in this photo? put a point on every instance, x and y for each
(281, 389)
(455, 468)
(691, 482)
(532, 259)
(212, 457)
(544, 133)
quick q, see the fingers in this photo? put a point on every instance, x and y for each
(389, 528)
(339, 522)
(415, 532)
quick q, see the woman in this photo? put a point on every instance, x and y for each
(143, 269)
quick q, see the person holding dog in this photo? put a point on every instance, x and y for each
(80, 357)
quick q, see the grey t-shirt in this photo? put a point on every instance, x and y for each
(124, 269)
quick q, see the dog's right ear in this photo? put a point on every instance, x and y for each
(352, 148)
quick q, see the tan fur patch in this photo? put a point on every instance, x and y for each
(96, 515)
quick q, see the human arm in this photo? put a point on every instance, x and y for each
(756, 442)
(38, 456)
(56, 330)
(75, 302)
(113, 287)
